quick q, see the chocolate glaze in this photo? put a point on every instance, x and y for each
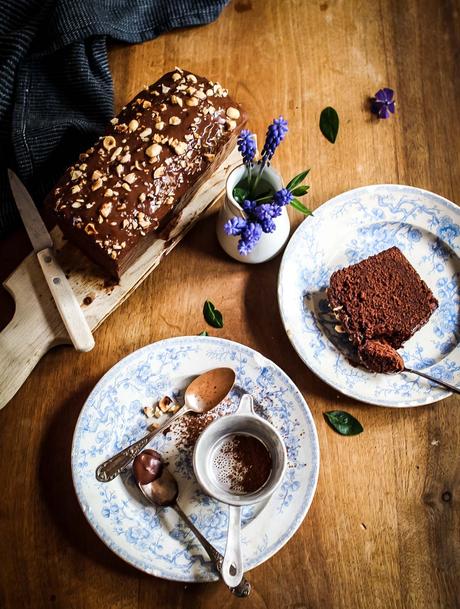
(120, 191)
(147, 466)
(381, 302)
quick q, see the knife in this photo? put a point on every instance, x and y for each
(61, 291)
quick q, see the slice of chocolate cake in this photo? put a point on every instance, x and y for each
(381, 302)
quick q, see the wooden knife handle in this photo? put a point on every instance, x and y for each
(66, 303)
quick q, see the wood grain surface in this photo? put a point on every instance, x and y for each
(384, 527)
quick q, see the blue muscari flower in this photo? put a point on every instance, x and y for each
(247, 146)
(275, 135)
(268, 226)
(249, 237)
(383, 103)
(262, 212)
(283, 197)
(248, 206)
(263, 215)
(234, 226)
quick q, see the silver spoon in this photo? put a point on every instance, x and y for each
(202, 395)
(163, 492)
(433, 379)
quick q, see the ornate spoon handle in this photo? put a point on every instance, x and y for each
(243, 589)
(111, 468)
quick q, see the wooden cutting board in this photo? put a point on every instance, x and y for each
(37, 327)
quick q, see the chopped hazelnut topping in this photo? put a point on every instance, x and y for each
(146, 132)
(193, 101)
(180, 148)
(108, 193)
(153, 150)
(200, 94)
(191, 78)
(209, 92)
(130, 178)
(146, 104)
(160, 125)
(97, 184)
(144, 222)
(133, 125)
(231, 125)
(177, 100)
(142, 197)
(165, 89)
(117, 152)
(90, 229)
(96, 175)
(126, 186)
(125, 158)
(76, 205)
(233, 113)
(109, 142)
(75, 174)
(191, 90)
(174, 120)
(105, 209)
(119, 169)
(159, 171)
(114, 120)
(176, 76)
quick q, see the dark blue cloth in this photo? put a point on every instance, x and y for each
(56, 92)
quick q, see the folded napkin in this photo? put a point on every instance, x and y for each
(56, 92)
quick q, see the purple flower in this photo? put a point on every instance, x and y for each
(262, 212)
(234, 226)
(383, 103)
(282, 197)
(249, 237)
(275, 135)
(268, 226)
(248, 206)
(247, 146)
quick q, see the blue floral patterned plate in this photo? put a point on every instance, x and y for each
(347, 229)
(156, 541)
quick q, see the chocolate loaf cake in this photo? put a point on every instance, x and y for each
(381, 302)
(151, 160)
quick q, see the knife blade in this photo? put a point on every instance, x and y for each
(61, 290)
(32, 220)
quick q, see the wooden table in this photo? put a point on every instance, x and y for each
(384, 527)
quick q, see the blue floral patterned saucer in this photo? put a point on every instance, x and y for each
(347, 229)
(156, 541)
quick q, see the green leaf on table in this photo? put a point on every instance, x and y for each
(240, 194)
(299, 191)
(204, 333)
(343, 422)
(212, 315)
(296, 204)
(298, 179)
(329, 124)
